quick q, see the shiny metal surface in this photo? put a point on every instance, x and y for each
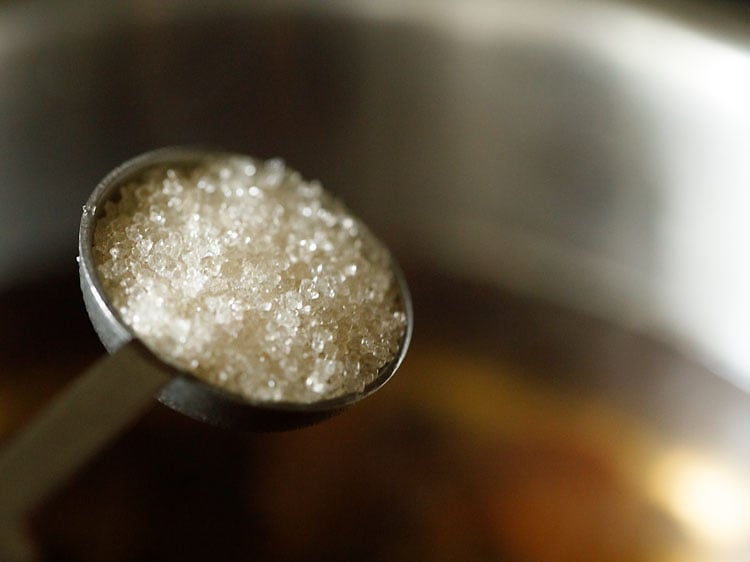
(595, 143)
(592, 155)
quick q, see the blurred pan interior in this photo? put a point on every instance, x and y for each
(567, 179)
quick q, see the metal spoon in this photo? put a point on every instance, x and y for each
(112, 393)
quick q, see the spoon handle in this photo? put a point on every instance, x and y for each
(78, 423)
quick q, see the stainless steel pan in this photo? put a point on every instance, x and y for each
(585, 164)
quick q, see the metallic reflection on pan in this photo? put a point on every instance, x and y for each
(591, 155)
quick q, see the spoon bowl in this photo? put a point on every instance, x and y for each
(185, 392)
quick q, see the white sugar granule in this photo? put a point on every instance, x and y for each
(251, 278)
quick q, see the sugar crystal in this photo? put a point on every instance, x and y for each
(251, 278)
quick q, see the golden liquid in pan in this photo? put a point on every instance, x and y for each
(495, 441)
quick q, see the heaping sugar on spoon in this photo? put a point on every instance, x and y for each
(248, 276)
